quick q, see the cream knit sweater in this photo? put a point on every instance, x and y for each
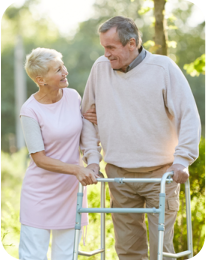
(146, 117)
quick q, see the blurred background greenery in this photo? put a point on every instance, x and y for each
(186, 46)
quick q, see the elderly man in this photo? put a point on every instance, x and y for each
(148, 124)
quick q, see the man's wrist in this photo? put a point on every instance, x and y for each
(182, 161)
(93, 166)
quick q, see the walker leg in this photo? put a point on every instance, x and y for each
(78, 222)
(188, 216)
(103, 221)
(160, 245)
(161, 226)
(76, 244)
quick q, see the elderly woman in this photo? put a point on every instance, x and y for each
(52, 124)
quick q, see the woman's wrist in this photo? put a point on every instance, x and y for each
(76, 169)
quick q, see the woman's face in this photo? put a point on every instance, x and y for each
(56, 76)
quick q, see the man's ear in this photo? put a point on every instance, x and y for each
(132, 44)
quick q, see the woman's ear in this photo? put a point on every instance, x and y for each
(39, 80)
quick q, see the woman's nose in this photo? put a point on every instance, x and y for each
(65, 70)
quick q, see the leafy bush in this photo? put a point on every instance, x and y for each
(12, 172)
(197, 67)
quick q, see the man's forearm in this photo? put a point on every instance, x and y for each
(89, 143)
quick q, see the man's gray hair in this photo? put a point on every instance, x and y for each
(125, 27)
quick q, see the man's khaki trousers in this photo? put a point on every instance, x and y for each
(130, 229)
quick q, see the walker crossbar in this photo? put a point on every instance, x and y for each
(166, 178)
(184, 253)
(119, 210)
(92, 253)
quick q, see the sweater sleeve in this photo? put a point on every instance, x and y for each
(182, 107)
(90, 142)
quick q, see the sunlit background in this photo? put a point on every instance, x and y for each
(70, 26)
(67, 14)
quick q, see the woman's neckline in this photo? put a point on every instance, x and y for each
(47, 104)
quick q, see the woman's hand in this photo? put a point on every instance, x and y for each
(86, 176)
(91, 115)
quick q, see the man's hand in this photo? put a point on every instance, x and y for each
(86, 176)
(180, 173)
(95, 168)
(90, 115)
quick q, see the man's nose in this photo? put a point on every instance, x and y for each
(106, 53)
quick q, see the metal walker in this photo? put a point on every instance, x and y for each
(166, 178)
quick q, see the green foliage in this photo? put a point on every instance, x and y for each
(197, 67)
(144, 10)
(12, 172)
(171, 18)
(171, 27)
(151, 46)
(197, 173)
(172, 44)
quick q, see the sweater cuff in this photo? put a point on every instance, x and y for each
(182, 161)
(93, 159)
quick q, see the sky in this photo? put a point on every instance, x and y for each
(66, 14)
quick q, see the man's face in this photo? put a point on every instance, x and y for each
(119, 55)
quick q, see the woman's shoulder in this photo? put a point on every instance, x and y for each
(28, 108)
(72, 93)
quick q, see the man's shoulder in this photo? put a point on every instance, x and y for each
(163, 63)
(159, 60)
(103, 60)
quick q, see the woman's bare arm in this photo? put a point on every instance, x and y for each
(85, 176)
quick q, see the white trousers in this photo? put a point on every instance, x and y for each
(34, 243)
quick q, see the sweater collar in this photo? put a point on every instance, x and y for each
(137, 60)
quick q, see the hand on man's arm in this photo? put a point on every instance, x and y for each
(90, 114)
(180, 173)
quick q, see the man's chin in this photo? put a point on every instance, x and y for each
(114, 66)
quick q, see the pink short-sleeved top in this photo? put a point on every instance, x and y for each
(48, 199)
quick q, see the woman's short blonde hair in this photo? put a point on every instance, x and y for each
(37, 61)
